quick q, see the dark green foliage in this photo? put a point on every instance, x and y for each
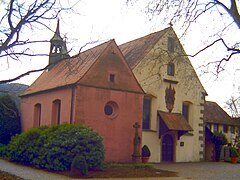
(145, 151)
(25, 147)
(3, 150)
(9, 119)
(219, 139)
(233, 152)
(54, 148)
(79, 162)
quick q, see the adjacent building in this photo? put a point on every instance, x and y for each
(174, 101)
(217, 120)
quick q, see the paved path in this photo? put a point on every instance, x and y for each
(186, 171)
(204, 170)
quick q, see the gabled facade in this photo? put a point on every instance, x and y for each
(96, 88)
(174, 100)
(217, 120)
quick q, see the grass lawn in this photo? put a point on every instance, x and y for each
(124, 170)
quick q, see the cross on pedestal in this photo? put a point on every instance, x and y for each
(136, 150)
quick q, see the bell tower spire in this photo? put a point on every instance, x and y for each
(58, 48)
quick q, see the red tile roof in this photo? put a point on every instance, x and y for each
(134, 51)
(213, 113)
(68, 71)
(175, 121)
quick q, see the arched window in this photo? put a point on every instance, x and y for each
(186, 110)
(37, 115)
(146, 113)
(56, 111)
(170, 69)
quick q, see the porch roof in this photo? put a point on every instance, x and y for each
(175, 121)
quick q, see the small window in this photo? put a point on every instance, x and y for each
(37, 115)
(108, 109)
(215, 128)
(232, 129)
(171, 44)
(146, 113)
(111, 109)
(112, 77)
(225, 128)
(185, 111)
(170, 69)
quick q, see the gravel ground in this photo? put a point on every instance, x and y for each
(204, 170)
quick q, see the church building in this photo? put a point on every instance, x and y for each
(149, 81)
(174, 101)
(96, 88)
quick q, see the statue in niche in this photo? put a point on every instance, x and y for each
(169, 98)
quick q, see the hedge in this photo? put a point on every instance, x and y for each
(54, 148)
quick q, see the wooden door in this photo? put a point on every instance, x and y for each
(167, 148)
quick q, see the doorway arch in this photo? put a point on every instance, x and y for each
(167, 148)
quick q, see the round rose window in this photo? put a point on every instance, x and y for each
(111, 109)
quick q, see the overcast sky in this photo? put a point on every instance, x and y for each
(108, 19)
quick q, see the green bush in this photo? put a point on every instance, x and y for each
(9, 119)
(25, 147)
(219, 139)
(80, 163)
(233, 152)
(54, 148)
(3, 150)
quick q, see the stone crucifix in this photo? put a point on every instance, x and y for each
(137, 140)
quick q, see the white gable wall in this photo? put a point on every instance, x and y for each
(151, 73)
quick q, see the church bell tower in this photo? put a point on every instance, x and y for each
(58, 48)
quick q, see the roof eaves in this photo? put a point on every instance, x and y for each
(47, 90)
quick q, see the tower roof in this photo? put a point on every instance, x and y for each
(57, 36)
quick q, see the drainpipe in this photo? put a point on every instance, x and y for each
(72, 103)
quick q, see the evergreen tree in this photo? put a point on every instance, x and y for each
(9, 119)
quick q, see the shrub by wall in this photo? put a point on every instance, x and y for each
(79, 164)
(54, 148)
(219, 139)
(3, 149)
(9, 119)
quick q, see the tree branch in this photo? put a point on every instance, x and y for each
(22, 75)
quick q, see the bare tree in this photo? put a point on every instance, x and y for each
(233, 105)
(185, 13)
(16, 18)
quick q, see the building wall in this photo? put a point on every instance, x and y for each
(45, 99)
(151, 73)
(117, 130)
